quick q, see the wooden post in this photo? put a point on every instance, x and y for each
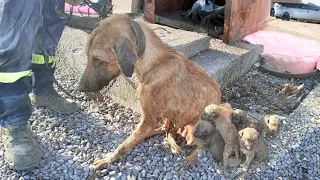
(149, 10)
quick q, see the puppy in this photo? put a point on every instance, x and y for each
(252, 147)
(240, 119)
(221, 118)
(268, 124)
(206, 136)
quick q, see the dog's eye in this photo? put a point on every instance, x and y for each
(241, 134)
(98, 62)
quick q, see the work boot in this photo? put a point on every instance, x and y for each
(54, 101)
(20, 151)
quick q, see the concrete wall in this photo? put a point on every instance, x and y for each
(122, 6)
(243, 17)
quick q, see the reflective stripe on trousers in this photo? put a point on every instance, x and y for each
(40, 59)
(11, 77)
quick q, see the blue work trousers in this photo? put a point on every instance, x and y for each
(29, 33)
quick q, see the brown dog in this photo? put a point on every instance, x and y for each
(170, 86)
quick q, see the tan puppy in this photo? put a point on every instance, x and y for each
(252, 146)
(169, 85)
(268, 124)
(221, 117)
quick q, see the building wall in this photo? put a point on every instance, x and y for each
(243, 17)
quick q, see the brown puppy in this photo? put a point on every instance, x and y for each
(169, 85)
(206, 136)
(221, 117)
(268, 124)
(240, 119)
(252, 146)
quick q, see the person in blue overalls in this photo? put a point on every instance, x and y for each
(29, 33)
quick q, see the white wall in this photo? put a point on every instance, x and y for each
(316, 2)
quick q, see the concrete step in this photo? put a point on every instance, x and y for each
(190, 43)
(225, 63)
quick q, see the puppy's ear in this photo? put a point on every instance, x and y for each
(125, 56)
(140, 38)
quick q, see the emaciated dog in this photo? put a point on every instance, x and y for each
(169, 85)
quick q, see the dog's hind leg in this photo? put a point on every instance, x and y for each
(228, 150)
(143, 131)
(191, 159)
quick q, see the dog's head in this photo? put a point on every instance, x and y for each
(272, 122)
(213, 111)
(112, 48)
(239, 117)
(203, 129)
(248, 137)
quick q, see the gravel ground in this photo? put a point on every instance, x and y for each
(72, 142)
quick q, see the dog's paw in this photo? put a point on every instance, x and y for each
(244, 169)
(102, 163)
(176, 150)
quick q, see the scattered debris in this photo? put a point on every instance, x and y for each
(290, 89)
(263, 93)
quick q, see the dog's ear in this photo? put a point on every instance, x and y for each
(125, 52)
(125, 56)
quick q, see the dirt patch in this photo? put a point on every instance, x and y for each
(261, 93)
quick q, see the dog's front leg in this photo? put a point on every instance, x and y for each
(143, 131)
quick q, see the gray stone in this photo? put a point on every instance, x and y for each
(156, 171)
(169, 175)
(112, 173)
(143, 173)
